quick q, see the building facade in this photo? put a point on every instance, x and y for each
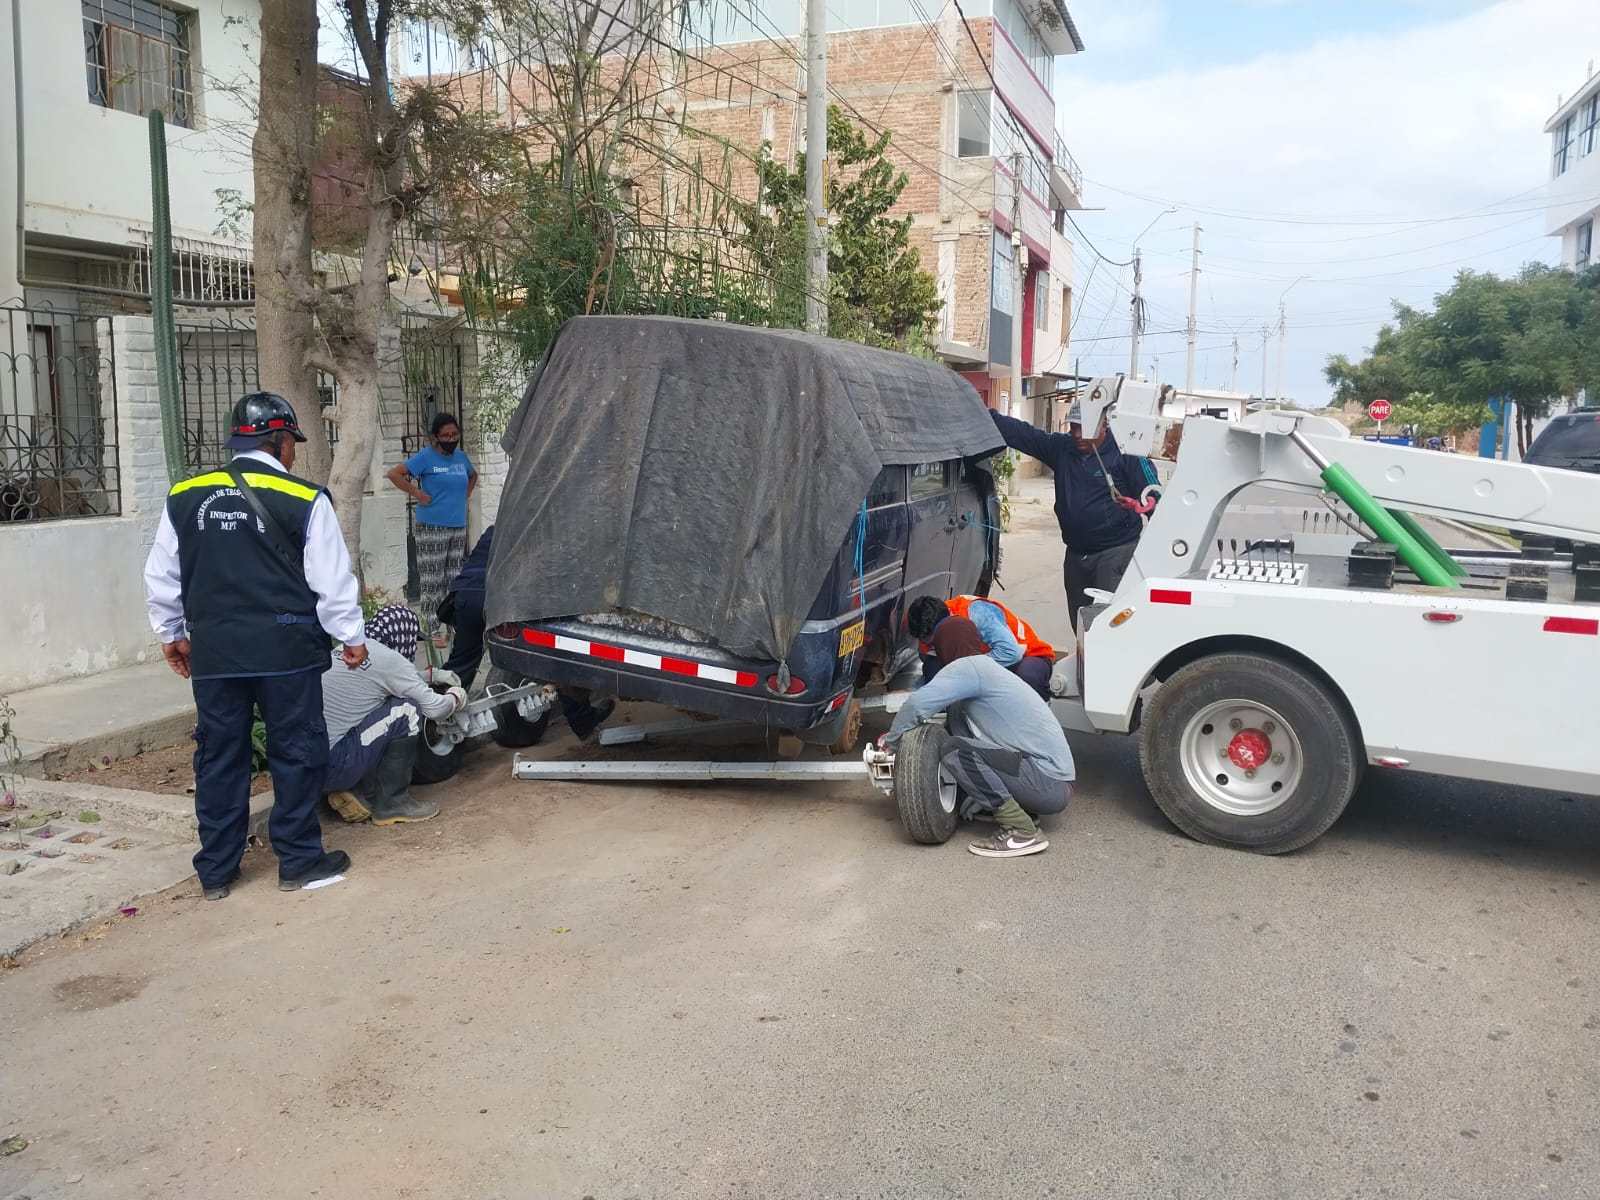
(1573, 202)
(967, 94)
(83, 469)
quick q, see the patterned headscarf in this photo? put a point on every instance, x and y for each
(396, 627)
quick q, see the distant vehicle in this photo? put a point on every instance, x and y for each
(709, 572)
(1571, 442)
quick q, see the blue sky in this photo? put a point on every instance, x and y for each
(1373, 148)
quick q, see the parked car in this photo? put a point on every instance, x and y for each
(1571, 442)
(773, 504)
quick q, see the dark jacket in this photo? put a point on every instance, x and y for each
(1091, 521)
(475, 570)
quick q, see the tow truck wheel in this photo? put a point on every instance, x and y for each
(1245, 751)
(511, 729)
(925, 795)
(431, 766)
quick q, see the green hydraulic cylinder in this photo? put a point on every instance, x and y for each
(1440, 555)
(1362, 502)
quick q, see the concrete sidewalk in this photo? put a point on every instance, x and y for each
(115, 714)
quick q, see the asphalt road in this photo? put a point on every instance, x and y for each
(570, 991)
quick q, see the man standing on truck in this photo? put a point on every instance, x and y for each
(1006, 752)
(1010, 640)
(1095, 483)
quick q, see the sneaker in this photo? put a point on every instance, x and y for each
(350, 806)
(1008, 843)
(325, 867)
(218, 891)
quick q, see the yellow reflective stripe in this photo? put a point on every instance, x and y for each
(273, 483)
(212, 480)
(276, 483)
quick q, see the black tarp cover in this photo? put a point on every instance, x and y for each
(706, 474)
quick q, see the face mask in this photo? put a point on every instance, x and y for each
(448, 447)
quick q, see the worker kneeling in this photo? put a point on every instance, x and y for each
(1006, 750)
(374, 717)
(1007, 638)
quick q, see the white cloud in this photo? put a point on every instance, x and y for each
(1443, 119)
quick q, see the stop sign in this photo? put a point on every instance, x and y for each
(1379, 410)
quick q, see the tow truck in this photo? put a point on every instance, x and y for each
(1248, 678)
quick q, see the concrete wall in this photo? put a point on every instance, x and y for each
(88, 167)
(9, 289)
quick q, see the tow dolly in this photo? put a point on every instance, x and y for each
(1249, 679)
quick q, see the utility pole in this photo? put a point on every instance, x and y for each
(1265, 335)
(1019, 267)
(817, 166)
(1233, 379)
(1278, 395)
(1194, 298)
(1138, 315)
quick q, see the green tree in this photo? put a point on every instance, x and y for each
(878, 290)
(1532, 339)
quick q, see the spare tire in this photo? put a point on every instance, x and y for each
(926, 796)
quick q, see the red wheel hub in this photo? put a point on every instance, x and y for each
(1249, 749)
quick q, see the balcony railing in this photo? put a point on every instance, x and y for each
(1068, 166)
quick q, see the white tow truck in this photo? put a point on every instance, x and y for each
(1254, 681)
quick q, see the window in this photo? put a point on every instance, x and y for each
(137, 56)
(972, 124)
(888, 488)
(1585, 244)
(927, 479)
(1564, 145)
(1591, 125)
(1012, 16)
(1041, 300)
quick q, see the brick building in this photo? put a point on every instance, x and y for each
(966, 93)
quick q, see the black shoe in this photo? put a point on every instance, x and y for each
(590, 717)
(325, 867)
(218, 891)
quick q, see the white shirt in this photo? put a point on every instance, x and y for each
(325, 561)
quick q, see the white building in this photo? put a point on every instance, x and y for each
(1574, 196)
(83, 472)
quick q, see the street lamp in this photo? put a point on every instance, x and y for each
(1279, 394)
(1138, 275)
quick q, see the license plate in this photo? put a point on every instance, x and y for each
(851, 639)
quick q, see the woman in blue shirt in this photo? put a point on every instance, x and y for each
(439, 478)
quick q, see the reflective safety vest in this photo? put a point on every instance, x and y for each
(1033, 646)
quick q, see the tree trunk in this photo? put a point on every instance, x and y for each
(282, 153)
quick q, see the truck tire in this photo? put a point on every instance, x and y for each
(927, 798)
(513, 730)
(1249, 752)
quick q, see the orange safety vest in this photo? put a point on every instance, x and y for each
(1033, 646)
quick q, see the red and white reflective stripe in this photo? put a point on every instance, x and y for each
(638, 658)
(1170, 596)
(1587, 625)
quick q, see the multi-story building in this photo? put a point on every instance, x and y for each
(1574, 197)
(967, 92)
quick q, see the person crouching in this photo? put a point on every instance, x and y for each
(374, 717)
(1005, 751)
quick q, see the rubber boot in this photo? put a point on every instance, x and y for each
(391, 801)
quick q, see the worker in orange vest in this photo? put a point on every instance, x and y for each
(1010, 640)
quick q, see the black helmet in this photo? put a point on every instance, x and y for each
(259, 415)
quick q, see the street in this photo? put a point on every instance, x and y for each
(567, 990)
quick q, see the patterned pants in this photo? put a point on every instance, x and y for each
(439, 554)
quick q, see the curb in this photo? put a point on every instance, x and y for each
(157, 734)
(157, 812)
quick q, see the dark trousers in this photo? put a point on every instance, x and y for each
(355, 756)
(990, 775)
(1032, 669)
(1102, 570)
(297, 754)
(466, 653)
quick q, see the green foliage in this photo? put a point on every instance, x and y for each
(372, 599)
(1423, 416)
(10, 751)
(879, 292)
(1532, 339)
(258, 744)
